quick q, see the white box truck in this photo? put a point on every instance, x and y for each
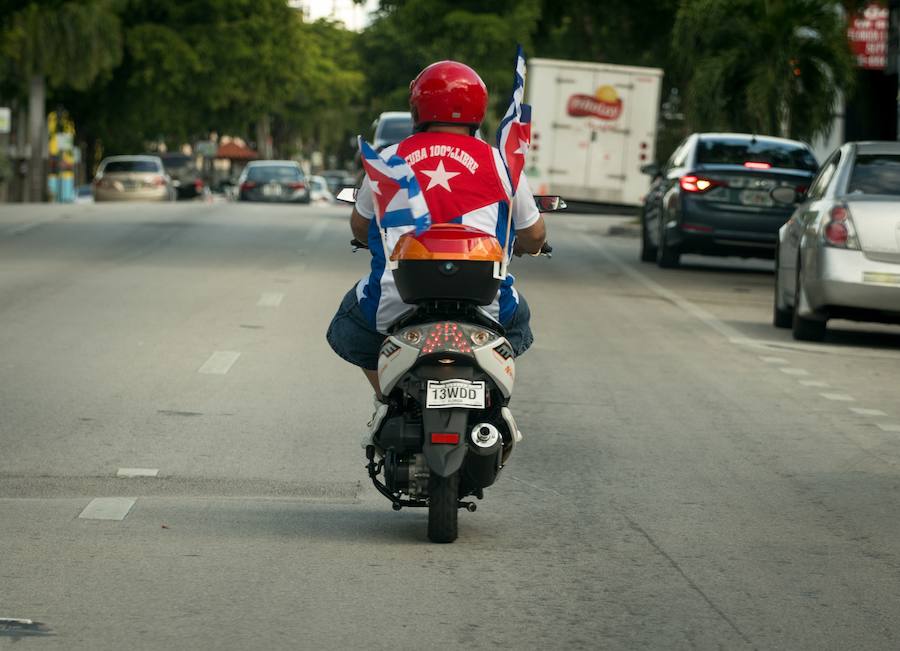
(593, 127)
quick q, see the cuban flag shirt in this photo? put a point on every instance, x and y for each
(464, 181)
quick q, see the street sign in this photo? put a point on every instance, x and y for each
(5, 119)
(868, 35)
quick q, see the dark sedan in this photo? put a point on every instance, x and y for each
(714, 196)
(272, 180)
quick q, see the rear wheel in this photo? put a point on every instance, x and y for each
(443, 498)
(782, 316)
(648, 251)
(805, 329)
(667, 256)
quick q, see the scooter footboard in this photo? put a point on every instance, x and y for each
(445, 439)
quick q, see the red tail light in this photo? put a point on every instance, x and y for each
(248, 185)
(297, 185)
(444, 437)
(838, 231)
(198, 184)
(691, 183)
(754, 165)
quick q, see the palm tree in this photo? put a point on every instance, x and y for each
(773, 67)
(63, 44)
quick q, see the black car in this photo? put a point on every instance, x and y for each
(714, 196)
(185, 176)
(273, 180)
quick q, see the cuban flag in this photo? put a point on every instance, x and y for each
(514, 132)
(398, 197)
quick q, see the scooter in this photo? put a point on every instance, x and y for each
(447, 372)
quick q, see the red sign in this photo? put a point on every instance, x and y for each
(868, 37)
(605, 104)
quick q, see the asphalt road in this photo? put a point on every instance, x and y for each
(690, 477)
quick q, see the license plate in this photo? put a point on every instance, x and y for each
(756, 198)
(272, 190)
(454, 393)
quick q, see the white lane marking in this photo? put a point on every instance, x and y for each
(774, 360)
(107, 508)
(814, 383)
(840, 397)
(137, 472)
(794, 371)
(270, 299)
(888, 427)
(220, 362)
(694, 310)
(316, 231)
(867, 412)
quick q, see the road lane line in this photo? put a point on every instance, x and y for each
(888, 427)
(107, 508)
(270, 299)
(867, 412)
(219, 363)
(794, 371)
(814, 383)
(137, 472)
(314, 234)
(839, 397)
(774, 360)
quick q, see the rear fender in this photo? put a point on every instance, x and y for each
(444, 459)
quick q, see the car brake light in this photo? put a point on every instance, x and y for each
(248, 185)
(198, 184)
(754, 165)
(691, 183)
(838, 231)
(297, 185)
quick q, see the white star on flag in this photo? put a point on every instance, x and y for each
(523, 147)
(439, 176)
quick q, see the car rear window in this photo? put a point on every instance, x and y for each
(394, 129)
(875, 174)
(131, 166)
(273, 173)
(728, 151)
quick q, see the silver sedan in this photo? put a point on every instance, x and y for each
(839, 254)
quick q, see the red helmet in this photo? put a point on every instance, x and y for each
(448, 92)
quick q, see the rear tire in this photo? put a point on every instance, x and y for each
(805, 329)
(667, 256)
(648, 251)
(782, 317)
(443, 507)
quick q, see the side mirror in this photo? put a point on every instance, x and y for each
(549, 203)
(650, 169)
(786, 195)
(347, 195)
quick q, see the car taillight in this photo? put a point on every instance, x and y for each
(198, 184)
(248, 185)
(755, 165)
(296, 185)
(159, 181)
(692, 183)
(838, 231)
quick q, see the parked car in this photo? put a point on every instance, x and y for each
(839, 254)
(390, 128)
(713, 196)
(318, 190)
(132, 178)
(273, 180)
(337, 180)
(185, 176)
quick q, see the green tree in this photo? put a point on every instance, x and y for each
(765, 66)
(60, 44)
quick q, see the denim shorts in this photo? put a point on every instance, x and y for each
(351, 336)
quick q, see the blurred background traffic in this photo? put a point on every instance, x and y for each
(208, 86)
